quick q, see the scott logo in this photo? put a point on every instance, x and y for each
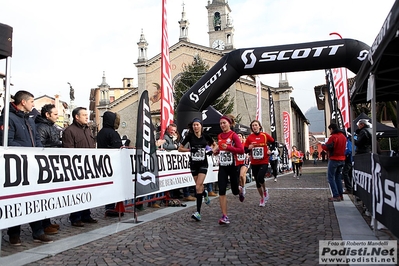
(249, 63)
(300, 53)
(195, 97)
(362, 55)
(146, 177)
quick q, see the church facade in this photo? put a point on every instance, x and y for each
(124, 100)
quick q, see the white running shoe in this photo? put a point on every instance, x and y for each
(275, 180)
(262, 202)
(243, 191)
(266, 195)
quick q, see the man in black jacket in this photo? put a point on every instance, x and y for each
(22, 133)
(363, 137)
(109, 138)
(49, 137)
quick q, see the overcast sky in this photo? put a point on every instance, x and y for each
(55, 42)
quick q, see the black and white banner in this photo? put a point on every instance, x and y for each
(335, 112)
(272, 116)
(147, 179)
(376, 183)
(38, 183)
(386, 191)
(362, 179)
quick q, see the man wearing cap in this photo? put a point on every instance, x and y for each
(363, 137)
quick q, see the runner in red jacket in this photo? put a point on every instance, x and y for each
(256, 145)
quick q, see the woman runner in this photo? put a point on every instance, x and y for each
(229, 146)
(242, 161)
(198, 161)
(256, 144)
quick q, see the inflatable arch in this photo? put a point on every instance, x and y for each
(347, 53)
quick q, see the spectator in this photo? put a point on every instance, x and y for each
(273, 160)
(301, 158)
(78, 135)
(347, 169)
(125, 141)
(323, 155)
(363, 137)
(22, 133)
(109, 138)
(315, 156)
(336, 146)
(171, 142)
(50, 136)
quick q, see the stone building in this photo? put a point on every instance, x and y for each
(124, 100)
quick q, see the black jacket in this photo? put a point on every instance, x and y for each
(363, 141)
(49, 134)
(108, 137)
(21, 129)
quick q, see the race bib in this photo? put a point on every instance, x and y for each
(241, 157)
(225, 158)
(198, 155)
(257, 153)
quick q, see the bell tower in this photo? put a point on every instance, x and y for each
(220, 25)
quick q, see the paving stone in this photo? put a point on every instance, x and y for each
(284, 232)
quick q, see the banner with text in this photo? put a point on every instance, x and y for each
(38, 183)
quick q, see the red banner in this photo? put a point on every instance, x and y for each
(341, 92)
(167, 111)
(287, 130)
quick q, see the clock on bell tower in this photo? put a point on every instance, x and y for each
(220, 26)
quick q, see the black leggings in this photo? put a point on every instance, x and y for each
(296, 168)
(223, 176)
(273, 165)
(259, 172)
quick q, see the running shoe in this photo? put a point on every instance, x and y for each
(196, 216)
(241, 196)
(262, 202)
(266, 195)
(243, 191)
(275, 180)
(224, 220)
(207, 200)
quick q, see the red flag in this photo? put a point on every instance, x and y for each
(341, 92)
(167, 111)
(258, 99)
(287, 130)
